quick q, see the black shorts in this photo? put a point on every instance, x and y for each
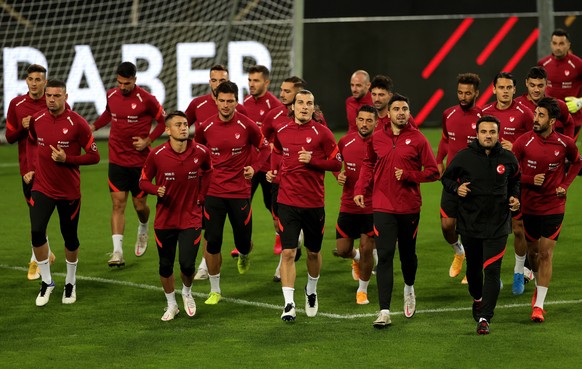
(187, 240)
(547, 226)
(27, 190)
(516, 215)
(41, 209)
(354, 225)
(293, 219)
(125, 179)
(449, 205)
(239, 213)
(260, 178)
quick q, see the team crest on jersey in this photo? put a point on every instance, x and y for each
(556, 152)
(65, 130)
(133, 106)
(308, 139)
(501, 169)
(195, 160)
(408, 141)
(237, 135)
(262, 112)
(511, 119)
(474, 125)
(566, 73)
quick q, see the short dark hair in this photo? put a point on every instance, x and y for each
(398, 97)
(56, 83)
(369, 109)
(177, 113)
(561, 32)
(383, 82)
(506, 75)
(260, 69)
(35, 68)
(298, 82)
(227, 87)
(219, 67)
(469, 79)
(537, 73)
(551, 105)
(488, 119)
(127, 70)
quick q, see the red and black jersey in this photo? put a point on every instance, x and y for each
(459, 130)
(409, 151)
(564, 124)
(302, 185)
(130, 116)
(537, 155)
(352, 107)
(231, 145)
(515, 120)
(204, 107)
(353, 149)
(185, 177)
(21, 107)
(70, 132)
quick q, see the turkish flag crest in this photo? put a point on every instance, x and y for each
(308, 139)
(501, 169)
(237, 135)
(65, 130)
(133, 106)
(567, 72)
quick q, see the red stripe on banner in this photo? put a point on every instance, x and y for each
(429, 106)
(496, 40)
(516, 58)
(443, 52)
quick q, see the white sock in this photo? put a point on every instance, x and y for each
(519, 264)
(541, 296)
(311, 284)
(45, 271)
(117, 243)
(375, 253)
(203, 265)
(288, 293)
(408, 289)
(186, 291)
(385, 311)
(143, 228)
(171, 298)
(214, 283)
(71, 272)
(278, 269)
(458, 247)
(357, 256)
(363, 286)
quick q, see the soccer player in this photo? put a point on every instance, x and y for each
(308, 149)
(536, 84)
(381, 90)
(181, 169)
(398, 159)
(458, 123)
(565, 75)
(354, 222)
(515, 120)
(360, 87)
(542, 154)
(258, 104)
(485, 177)
(57, 135)
(130, 109)
(231, 137)
(20, 112)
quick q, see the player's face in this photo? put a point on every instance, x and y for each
(36, 81)
(226, 103)
(487, 134)
(504, 90)
(366, 123)
(560, 46)
(125, 84)
(399, 113)
(380, 98)
(55, 99)
(303, 108)
(177, 128)
(258, 84)
(466, 95)
(359, 85)
(287, 93)
(536, 88)
(216, 78)
(542, 121)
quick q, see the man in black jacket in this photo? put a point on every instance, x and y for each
(485, 176)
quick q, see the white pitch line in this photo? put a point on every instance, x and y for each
(278, 307)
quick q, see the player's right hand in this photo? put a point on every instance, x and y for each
(161, 191)
(28, 177)
(271, 175)
(341, 178)
(463, 189)
(359, 200)
(539, 179)
(26, 122)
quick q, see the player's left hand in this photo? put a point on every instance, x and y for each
(249, 172)
(513, 204)
(574, 104)
(560, 191)
(304, 156)
(141, 143)
(506, 144)
(28, 177)
(58, 154)
(398, 173)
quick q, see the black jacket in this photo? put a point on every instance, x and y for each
(484, 212)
